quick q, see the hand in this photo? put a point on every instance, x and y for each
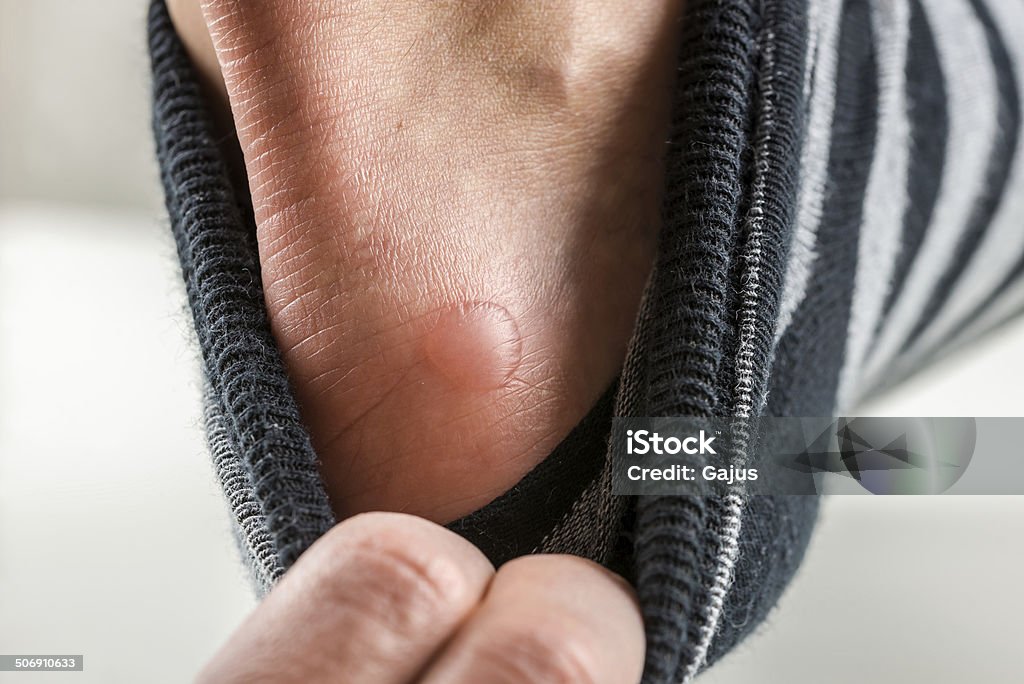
(387, 598)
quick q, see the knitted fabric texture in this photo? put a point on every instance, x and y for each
(843, 201)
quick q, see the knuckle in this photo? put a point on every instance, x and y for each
(538, 655)
(397, 579)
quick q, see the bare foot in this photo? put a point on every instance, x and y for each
(456, 206)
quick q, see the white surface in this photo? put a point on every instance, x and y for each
(74, 102)
(114, 540)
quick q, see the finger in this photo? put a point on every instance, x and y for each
(369, 603)
(548, 620)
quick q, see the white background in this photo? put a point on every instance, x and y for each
(114, 539)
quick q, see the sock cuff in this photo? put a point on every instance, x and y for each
(827, 229)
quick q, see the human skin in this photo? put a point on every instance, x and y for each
(456, 205)
(386, 598)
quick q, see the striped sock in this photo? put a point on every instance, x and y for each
(844, 201)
